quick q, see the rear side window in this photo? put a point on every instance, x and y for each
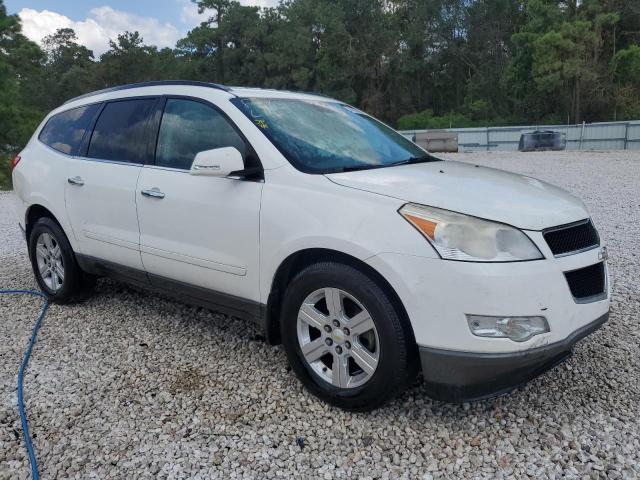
(190, 127)
(119, 133)
(64, 131)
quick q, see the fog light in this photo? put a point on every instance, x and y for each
(518, 329)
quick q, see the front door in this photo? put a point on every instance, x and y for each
(198, 230)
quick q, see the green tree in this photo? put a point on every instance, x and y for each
(20, 65)
(563, 64)
(308, 49)
(129, 60)
(204, 45)
(626, 68)
(561, 68)
(626, 65)
(489, 27)
(68, 70)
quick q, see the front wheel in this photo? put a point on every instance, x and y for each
(344, 338)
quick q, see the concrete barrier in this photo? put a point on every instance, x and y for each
(437, 140)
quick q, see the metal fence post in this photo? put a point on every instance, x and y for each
(582, 135)
(488, 136)
(626, 136)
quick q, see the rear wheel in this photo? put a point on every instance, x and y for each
(344, 338)
(54, 263)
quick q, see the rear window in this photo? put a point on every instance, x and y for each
(119, 133)
(64, 131)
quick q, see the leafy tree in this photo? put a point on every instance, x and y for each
(205, 44)
(20, 60)
(489, 25)
(562, 64)
(129, 60)
(626, 67)
(68, 70)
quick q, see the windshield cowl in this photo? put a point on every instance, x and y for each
(410, 161)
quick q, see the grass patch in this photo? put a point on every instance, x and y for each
(5, 171)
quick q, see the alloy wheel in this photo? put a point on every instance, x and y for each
(338, 338)
(50, 261)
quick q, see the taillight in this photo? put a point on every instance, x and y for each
(14, 161)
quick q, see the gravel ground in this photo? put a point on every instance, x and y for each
(133, 385)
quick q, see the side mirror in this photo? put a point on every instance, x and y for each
(219, 162)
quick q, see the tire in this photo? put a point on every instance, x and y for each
(389, 342)
(74, 284)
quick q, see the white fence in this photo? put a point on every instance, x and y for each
(589, 136)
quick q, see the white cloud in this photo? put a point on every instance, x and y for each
(260, 3)
(189, 14)
(102, 25)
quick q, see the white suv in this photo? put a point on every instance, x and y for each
(368, 258)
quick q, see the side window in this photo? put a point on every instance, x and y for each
(64, 131)
(119, 133)
(190, 127)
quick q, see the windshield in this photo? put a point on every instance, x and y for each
(319, 136)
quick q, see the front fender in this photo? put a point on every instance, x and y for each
(301, 211)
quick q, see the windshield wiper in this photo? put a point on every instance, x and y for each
(354, 168)
(412, 160)
(408, 161)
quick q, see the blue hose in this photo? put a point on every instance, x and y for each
(23, 366)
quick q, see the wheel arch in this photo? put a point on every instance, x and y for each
(301, 259)
(35, 212)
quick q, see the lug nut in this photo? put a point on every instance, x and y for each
(336, 323)
(328, 341)
(338, 349)
(346, 331)
(327, 328)
(347, 344)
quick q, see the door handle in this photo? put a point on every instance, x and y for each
(153, 192)
(76, 181)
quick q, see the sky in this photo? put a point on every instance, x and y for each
(160, 22)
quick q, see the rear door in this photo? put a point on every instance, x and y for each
(101, 187)
(198, 230)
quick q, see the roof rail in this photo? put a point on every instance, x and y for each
(154, 83)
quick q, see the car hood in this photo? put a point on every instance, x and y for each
(488, 193)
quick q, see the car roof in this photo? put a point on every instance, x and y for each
(248, 92)
(169, 86)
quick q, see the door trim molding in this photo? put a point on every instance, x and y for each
(101, 237)
(197, 261)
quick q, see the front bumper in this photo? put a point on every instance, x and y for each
(454, 376)
(438, 295)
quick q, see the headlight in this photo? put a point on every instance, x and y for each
(465, 238)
